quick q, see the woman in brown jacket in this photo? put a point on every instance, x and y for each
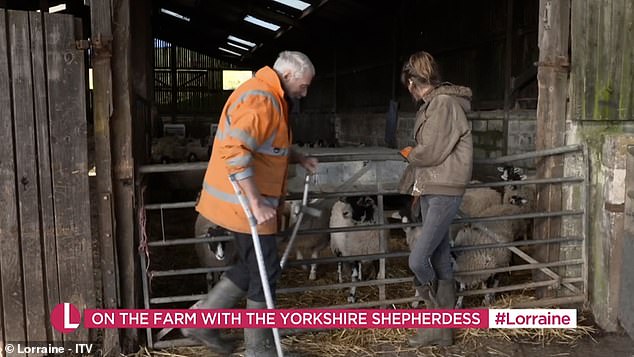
(439, 168)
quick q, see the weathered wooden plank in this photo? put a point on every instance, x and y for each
(617, 45)
(591, 54)
(626, 98)
(44, 166)
(552, 79)
(26, 170)
(101, 22)
(69, 164)
(603, 91)
(579, 60)
(10, 270)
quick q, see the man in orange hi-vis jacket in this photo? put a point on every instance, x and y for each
(253, 147)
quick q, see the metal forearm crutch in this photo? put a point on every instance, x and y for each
(304, 209)
(260, 258)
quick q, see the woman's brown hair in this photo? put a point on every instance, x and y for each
(420, 68)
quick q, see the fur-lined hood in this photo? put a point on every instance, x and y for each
(463, 94)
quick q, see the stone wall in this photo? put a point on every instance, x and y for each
(607, 146)
(487, 126)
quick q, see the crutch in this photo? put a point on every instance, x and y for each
(304, 209)
(260, 258)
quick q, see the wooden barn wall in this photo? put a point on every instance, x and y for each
(602, 58)
(46, 254)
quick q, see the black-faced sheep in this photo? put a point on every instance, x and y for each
(354, 211)
(519, 195)
(213, 254)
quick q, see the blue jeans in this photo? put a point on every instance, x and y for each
(430, 258)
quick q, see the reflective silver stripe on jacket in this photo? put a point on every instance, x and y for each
(232, 198)
(240, 161)
(223, 196)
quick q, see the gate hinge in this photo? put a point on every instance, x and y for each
(82, 44)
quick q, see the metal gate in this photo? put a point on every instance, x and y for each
(371, 173)
(45, 236)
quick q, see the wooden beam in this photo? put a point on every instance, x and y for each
(508, 69)
(123, 182)
(101, 21)
(552, 77)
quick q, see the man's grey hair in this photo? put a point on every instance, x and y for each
(296, 62)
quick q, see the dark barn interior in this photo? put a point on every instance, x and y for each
(154, 75)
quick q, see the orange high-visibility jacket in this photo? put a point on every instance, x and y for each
(253, 140)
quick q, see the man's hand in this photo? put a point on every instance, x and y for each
(262, 211)
(309, 163)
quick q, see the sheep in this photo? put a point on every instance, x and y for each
(354, 212)
(411, 236)
(313, 243)
(213, 254)
(519, 195)
(475, 200)
(502, 231)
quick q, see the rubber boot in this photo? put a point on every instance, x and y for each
(224, 295)
(426, 336)
(443, 298)
(446, 296)
(258, 342)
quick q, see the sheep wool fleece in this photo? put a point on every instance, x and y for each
(253, 140)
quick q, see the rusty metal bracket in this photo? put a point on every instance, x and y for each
(99, 44)
(82, 44)
(558, 62)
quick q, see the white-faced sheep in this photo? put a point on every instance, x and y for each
(213, 254)
(354, 211)
(502, 231)
(477, 199)
(313, 243)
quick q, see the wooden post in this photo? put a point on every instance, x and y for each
(508, 70)
(173, 80)
(123, 182)
(102, 109)
(552, 77)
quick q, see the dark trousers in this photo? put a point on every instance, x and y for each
(245, 273)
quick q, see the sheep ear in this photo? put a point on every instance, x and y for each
(523, 177)
(396, 215)
(501, 168)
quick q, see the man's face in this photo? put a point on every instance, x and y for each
(297, 87)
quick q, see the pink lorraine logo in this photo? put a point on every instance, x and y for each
(65, 317)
